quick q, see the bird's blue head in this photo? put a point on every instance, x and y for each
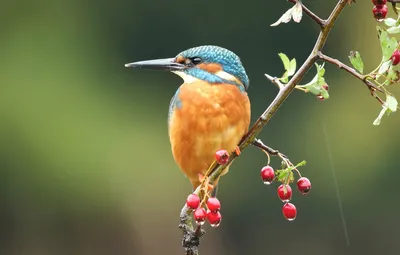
(209, 63)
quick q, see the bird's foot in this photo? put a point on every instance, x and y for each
(237, 151)
(207, 186)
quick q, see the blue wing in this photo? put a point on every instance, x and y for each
(171, 107)
(173, 104)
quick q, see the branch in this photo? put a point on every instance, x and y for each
(191, 240)
(258, 143)
(310, 14)
(275, 81)
(269, 151)
(394, 2)
(364, 78)
(191, 237)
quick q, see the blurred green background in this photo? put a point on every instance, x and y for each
(86, 166)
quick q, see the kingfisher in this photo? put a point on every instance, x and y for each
(209, 111)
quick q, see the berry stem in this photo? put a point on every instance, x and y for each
(298, 172)
(301, 88)
(258, 143)
(269, 158)
(269, 151)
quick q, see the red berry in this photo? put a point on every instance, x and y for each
(193, 201)
(304, 185)
(325, 86)
(200, 216)
(321, 98)
(380, 12)
(222, 157)
(213, 204)
(395, 57)
(267, 174)
(379, 2)
(285, 193)
(289, 211)
(214, 218)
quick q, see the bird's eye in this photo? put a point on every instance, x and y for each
(196, 60)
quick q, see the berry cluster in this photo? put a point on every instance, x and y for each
(380, 9)
(200, 214)
(285, 191)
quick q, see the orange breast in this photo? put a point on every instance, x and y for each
(210, 117)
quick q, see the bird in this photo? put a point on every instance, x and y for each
(209, 111)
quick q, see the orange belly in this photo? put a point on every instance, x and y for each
(209, 118)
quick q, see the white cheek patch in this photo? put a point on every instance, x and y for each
(226, 76)
(186, 78)
(230, 77)
(191, 79)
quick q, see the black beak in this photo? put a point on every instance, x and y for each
(168, 64)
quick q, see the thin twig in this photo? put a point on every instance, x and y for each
(187, 228)
(258, 143)
(371, 86)
(275, 81)
(394, 2)
(310, 14)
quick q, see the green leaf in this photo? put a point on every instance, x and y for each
(284, 78)
(315, 85)
(385, 66)
(289, 65)
(388, 107)
(390, 22)
(393, 30)
(391, 103)
(283, 174)
(302, 163)
(292, 67)
(392, 76)
(285, 60)
(377, 121)
(388, 44)
(356, 61)
(291, 176)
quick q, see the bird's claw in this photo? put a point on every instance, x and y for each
(205, 183)
(237, 151)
